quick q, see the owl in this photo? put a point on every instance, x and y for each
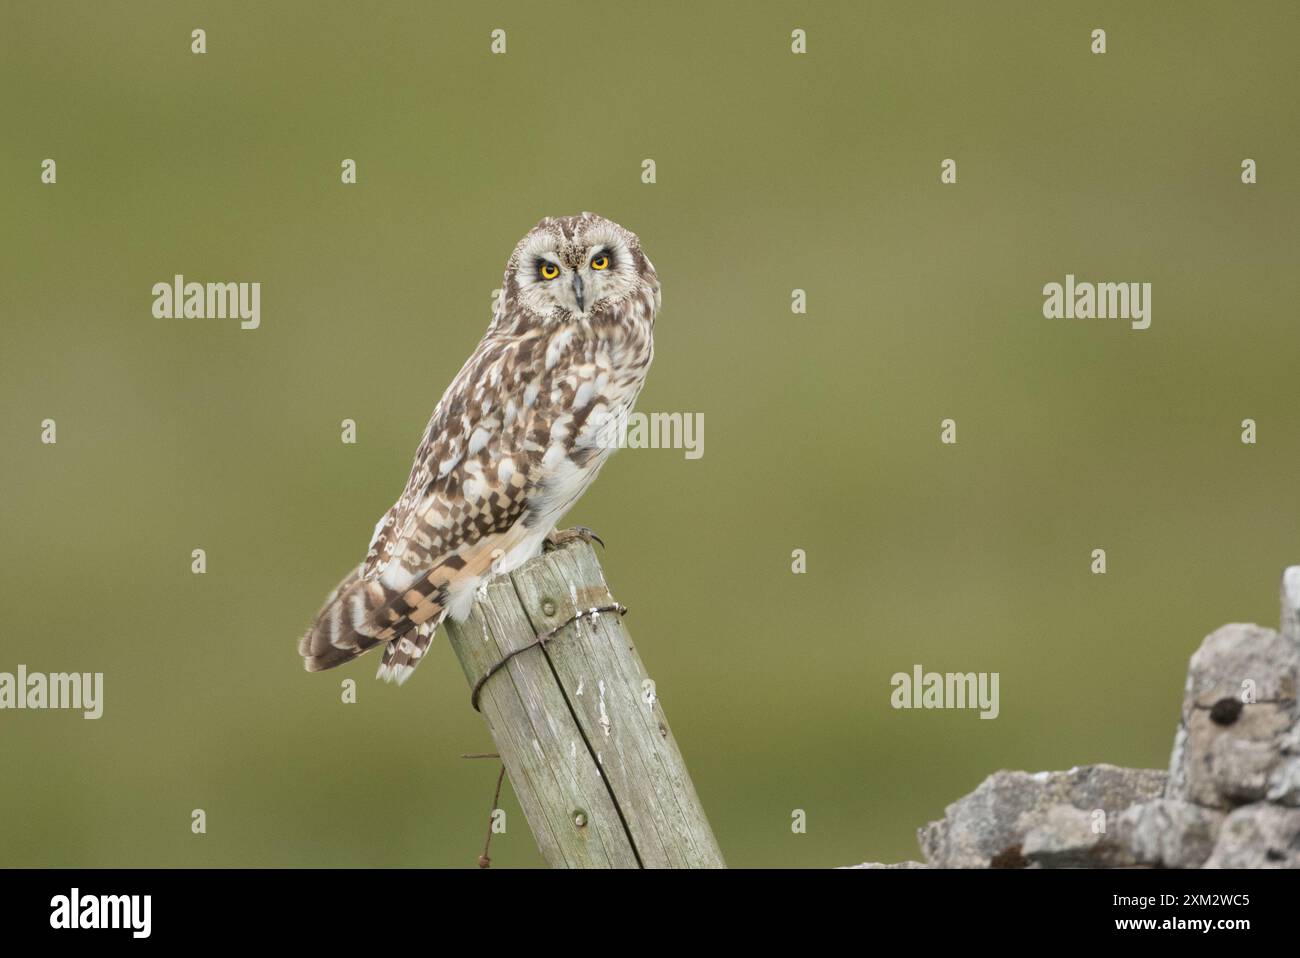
(516, 439)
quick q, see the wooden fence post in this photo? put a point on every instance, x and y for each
(578, 726)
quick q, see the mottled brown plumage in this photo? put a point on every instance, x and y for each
(518, 436)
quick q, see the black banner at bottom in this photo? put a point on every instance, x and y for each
(335, 907)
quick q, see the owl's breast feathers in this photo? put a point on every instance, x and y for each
(516, 439)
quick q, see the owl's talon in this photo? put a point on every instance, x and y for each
(588, 535)
(561, 537)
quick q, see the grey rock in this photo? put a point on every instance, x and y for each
(1062, 836)
(1231, 765)
(1284, 782)
(1236, 657)
(1168, 833)
(989, 826)
(1290, 740)
(1176, 784)
(1291, 604)
(1258, 836)
(893, 865)
(1238, 705)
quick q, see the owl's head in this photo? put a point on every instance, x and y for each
(576, 267)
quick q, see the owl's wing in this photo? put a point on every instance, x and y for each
(462, 507)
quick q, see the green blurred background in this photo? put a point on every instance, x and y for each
(775, 171)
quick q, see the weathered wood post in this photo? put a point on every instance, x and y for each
(578, 726)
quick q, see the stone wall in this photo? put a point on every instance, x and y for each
(1230, 799)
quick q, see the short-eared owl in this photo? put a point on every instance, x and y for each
(517, 437)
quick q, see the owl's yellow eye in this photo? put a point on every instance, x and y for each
(549, 271)
(600, 262)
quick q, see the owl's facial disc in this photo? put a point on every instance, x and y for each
(573, 278)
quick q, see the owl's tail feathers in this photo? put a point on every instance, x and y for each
(401, 656)
(344, 627)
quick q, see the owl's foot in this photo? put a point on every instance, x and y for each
(559, 538)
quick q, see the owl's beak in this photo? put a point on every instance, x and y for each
(577, 292)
